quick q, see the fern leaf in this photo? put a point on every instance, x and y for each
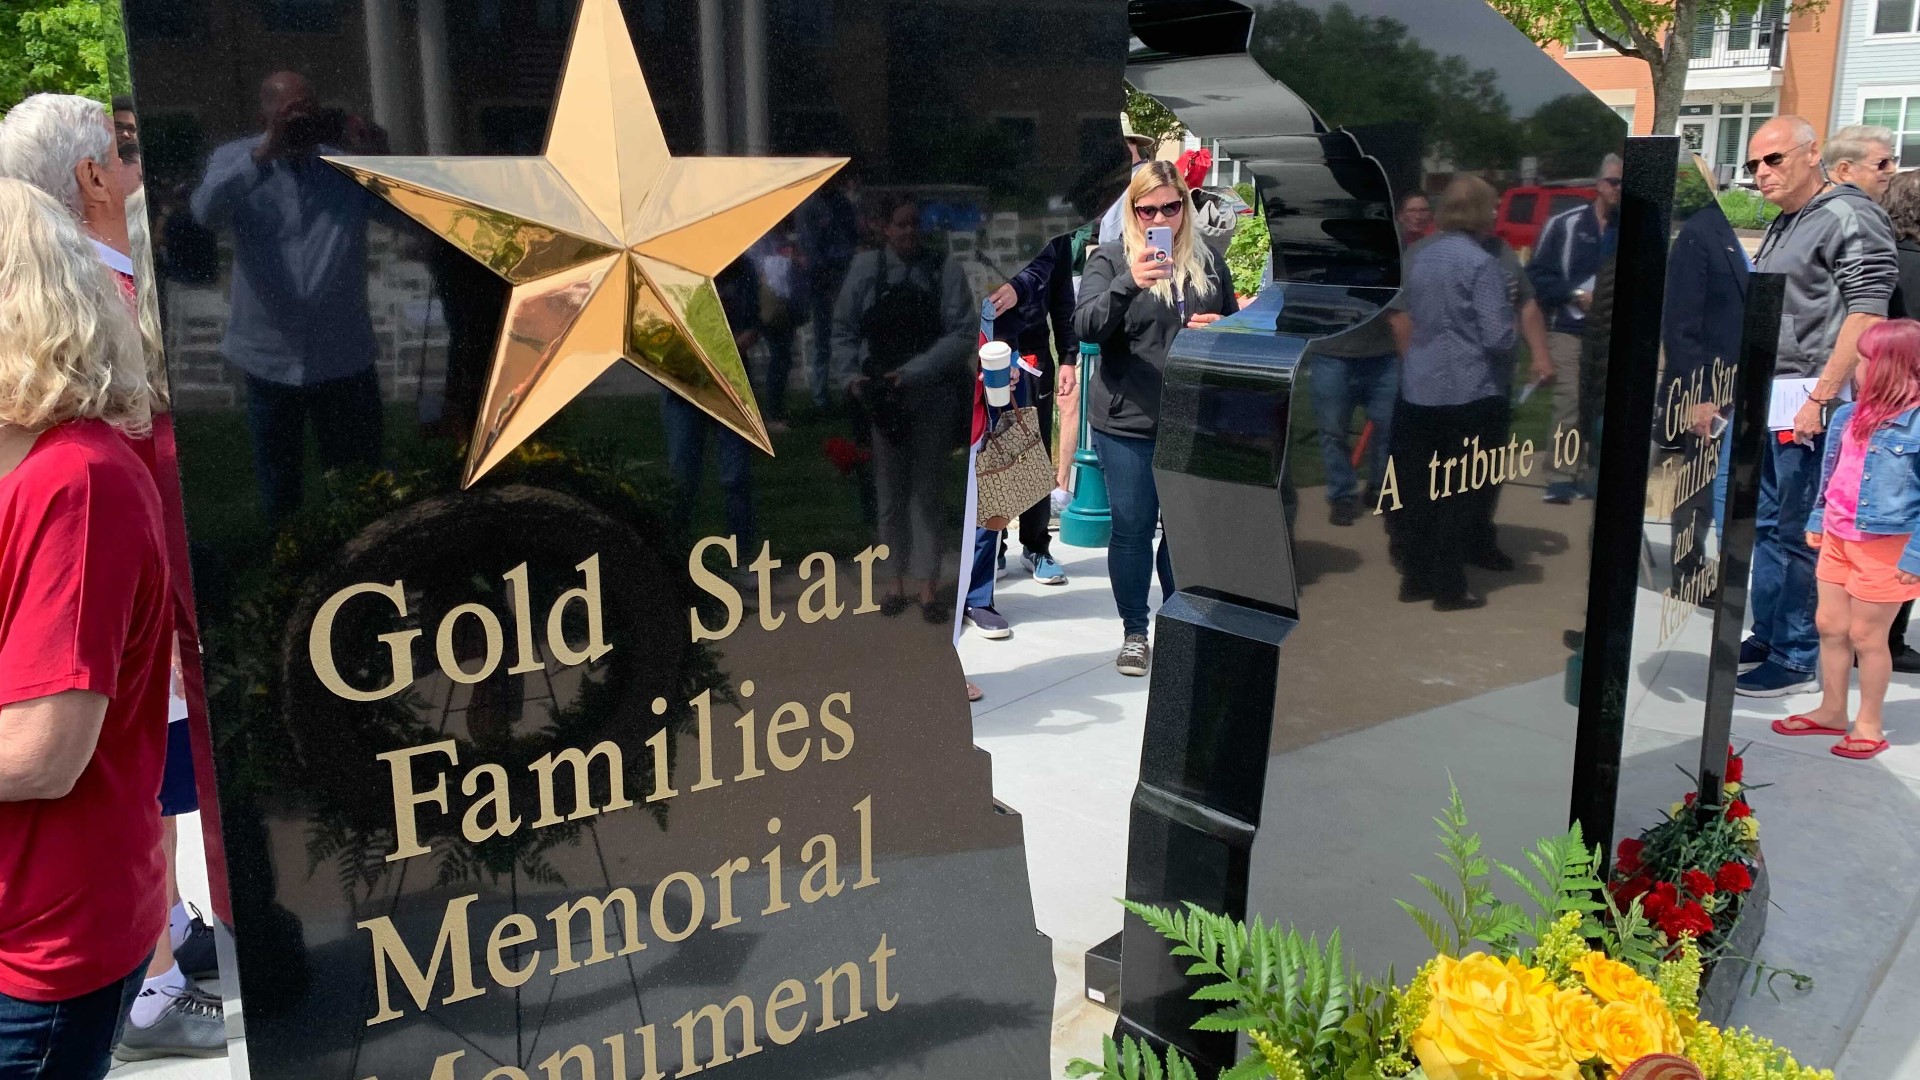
(1252, 1068)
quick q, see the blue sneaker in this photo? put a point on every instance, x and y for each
(1753, 654)
(1044, 569)
(1771, 680)
(990, 623)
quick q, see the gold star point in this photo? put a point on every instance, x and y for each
(610, 243)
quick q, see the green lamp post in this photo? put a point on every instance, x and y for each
(1088, 521)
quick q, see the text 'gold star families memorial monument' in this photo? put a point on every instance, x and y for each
(610, 242)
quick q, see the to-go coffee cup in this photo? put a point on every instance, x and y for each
(996, 371)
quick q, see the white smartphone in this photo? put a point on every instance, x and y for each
(1717, 426)
(1160, 238)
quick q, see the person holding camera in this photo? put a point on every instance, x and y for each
(1135, 296)
(299, 327)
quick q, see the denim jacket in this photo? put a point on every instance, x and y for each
(1889, 481)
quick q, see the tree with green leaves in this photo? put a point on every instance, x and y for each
(1659, 33)
(62, 47)
(1152, 119)
(1460, 111)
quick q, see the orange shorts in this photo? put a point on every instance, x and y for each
(1867, 568)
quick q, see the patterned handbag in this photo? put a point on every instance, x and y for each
(1013, 470)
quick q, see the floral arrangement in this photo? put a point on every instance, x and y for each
(1691, 872)
(1569, 987)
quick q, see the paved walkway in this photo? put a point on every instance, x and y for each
(1842, 839)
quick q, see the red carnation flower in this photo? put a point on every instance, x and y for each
(1733, 877)
(1626, 890)
(1697, 882)
(1627, 860)
(1738, 809)
(1660, 900)
(1691, 797)
(1736, 767)
(1688, 918)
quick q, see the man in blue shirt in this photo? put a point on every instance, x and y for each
(298, 325)
(1571, 249)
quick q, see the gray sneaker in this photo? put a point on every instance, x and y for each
(1134, 655)
(192, 1025)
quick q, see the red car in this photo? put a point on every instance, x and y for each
(1524, 211)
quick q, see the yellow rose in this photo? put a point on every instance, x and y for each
(1665, 1028)
(1575, 1013)
(1732, 787)
(1490, 1020)
(1625, 1033)
(1610, 980)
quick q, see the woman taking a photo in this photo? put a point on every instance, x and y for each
(85, 630)
(1134, 297)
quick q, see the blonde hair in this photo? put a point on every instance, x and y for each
(147, 288)
(1189, 277)
(68, 350)
(1468, 205)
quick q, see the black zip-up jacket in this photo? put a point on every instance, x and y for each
(1134, 328)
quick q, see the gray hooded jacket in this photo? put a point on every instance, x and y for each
(1839, 259)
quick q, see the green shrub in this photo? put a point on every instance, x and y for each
(1690, 193)
(1746, 209)
(1247, 253)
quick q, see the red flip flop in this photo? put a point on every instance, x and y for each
(1780, 728)
(1844, 748)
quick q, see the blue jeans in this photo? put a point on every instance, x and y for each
(1720, 482)
(1783, 583)
(687, 430)
(1131, 562)
(986, 566)
(1338, 384)
(65, 1040)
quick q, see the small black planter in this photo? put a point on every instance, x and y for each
(1723, 983)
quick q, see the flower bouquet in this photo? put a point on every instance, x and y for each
(1691, 872)
(1570, 986)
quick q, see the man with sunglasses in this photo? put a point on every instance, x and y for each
(1573, 245)
(1862, 156)
(1835, 247)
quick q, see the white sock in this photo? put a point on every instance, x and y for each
(178, 921)
(155, 995)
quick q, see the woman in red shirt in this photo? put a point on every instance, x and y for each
(85, 624)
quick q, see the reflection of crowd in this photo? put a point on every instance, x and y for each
(1456, 322)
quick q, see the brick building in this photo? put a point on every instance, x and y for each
(1743, 72)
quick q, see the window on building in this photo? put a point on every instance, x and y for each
(1585, 42)
(1625, 112)
(1899, 111)
(301, 16)
(1895, 16)
(164, 18)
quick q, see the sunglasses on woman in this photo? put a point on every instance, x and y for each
(1773, 160)
(1165, 211)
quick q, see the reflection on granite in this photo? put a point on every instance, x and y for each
(594, 770)
(1288, 486)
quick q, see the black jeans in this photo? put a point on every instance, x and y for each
(65, 1040)
(1434, 539)
(1034, 523)
(347, 422)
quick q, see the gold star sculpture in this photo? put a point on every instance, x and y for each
(610, 242)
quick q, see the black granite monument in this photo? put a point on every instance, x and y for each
(540, 752)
